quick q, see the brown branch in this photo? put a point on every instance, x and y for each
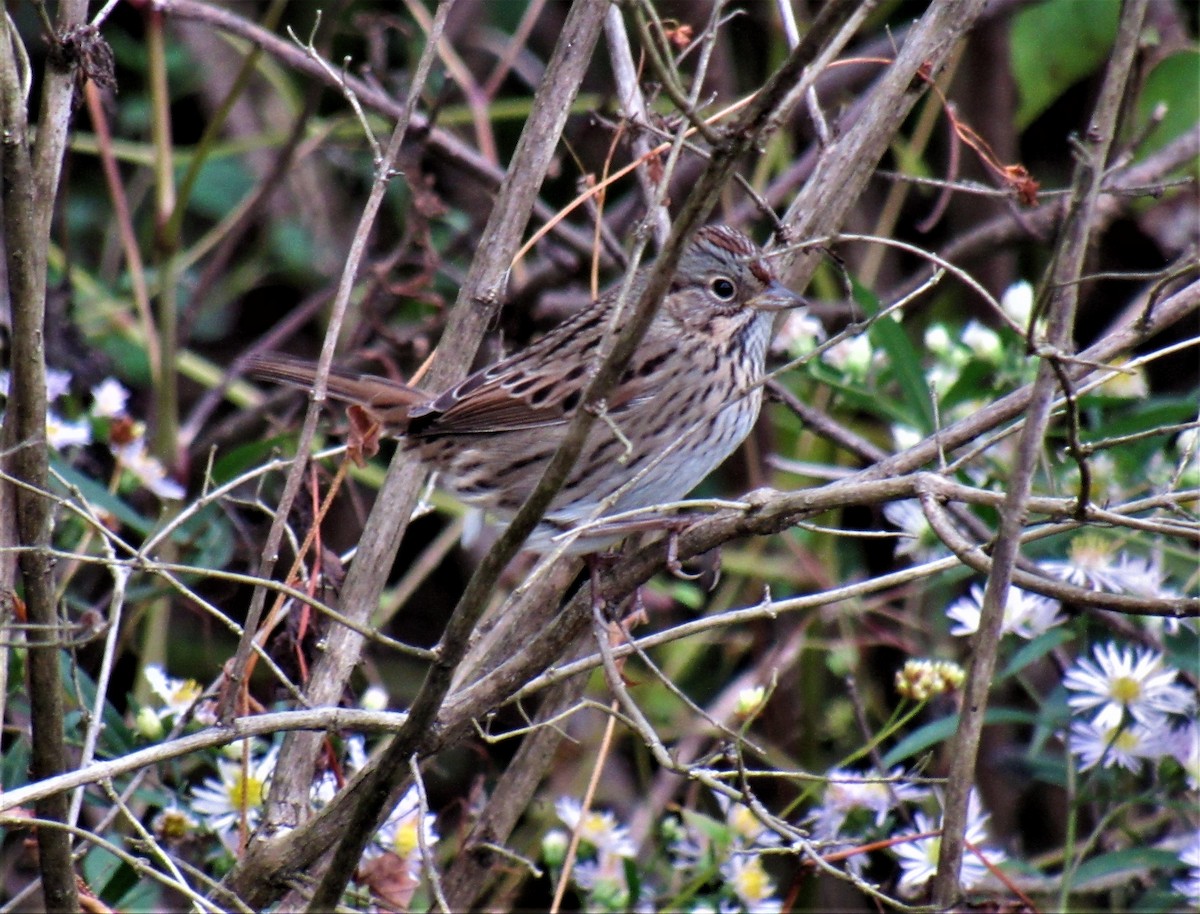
(843, 168)
(759, 118)
(821, 425)
(468, 872)
(31, 177)
(1120, 193)
(292, 779)
(449, 148)
(478, 301)
(1066, 266)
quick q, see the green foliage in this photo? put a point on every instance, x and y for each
(1083, 32)
(1131, 861)
(1175, 83)
(818, 676)
(939, 731)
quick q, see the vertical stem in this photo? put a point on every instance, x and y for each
(1063, 293)
(30, 179)
(166, 388)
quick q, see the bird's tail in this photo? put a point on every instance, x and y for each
(386, 400)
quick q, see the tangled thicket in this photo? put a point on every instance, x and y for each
(930, 635)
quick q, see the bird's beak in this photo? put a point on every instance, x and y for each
(777, 297)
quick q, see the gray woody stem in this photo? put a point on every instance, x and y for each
(31, 174)
(1063, 292)
(294, 771)
(478, 301)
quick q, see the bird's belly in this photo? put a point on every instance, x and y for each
(649, 455)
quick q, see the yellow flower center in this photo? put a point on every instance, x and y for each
(1125, 689)
(594, 827)
(753, 882)
(186, 692)
(743, 821)
(406, 840)
(1126, 740)
(174, 824)
(245, 793)
(1090, 551)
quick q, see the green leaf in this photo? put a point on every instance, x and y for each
(905, 365)
(294, 248)
(939, 731)
(715, 831)
(1183, 652)
(209, 538)
(1036, 649)
(14, 766)
(220, 186)
(233, 462)
(976, 379)
(869, 402)
(99, 497)
(116, 739)
(100, 865)
(1054, 45)
(1047, 768)
(1131, 860)
(1171, 83)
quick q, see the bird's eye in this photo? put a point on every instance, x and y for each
(723, 288)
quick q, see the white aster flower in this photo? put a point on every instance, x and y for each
(63, 433)
(1126, 745)
(109, 398)
(554, 847)
(748, 830)
(904, 438)
(1026, 615)
(850, 791)
(238, 790)
(1189, 885)
(919, 543)
(604, 881)
(937, 339)
(1017, 302)
(750, 701)
(686, 843)
(1187, 443)
(177, 694)
(1141, 576)
(374, 698)
(135, 458)
(852, 356)
(750, 882)
(919, 857)
(941, 378)
(599, 829)
(983, 341)
(799, 334)
(1185, 746)
(405, 831)
(1125, 680)
(1126, 384)
(149, 724)
(1097, 563)
(58, 383)
(174, 824)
